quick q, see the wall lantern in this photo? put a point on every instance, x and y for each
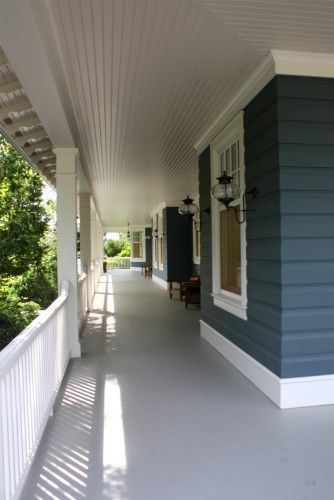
(225, 192)
(156, 233)
(188, 208)
(128, 232)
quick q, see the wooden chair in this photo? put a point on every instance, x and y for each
(191, 291)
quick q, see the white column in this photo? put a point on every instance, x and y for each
(85, 242)
(66, 238)
(93, 247)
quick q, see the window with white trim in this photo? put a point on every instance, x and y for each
(196, 236)
(228, 237)
(137, 246)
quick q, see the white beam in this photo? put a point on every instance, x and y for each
(34, 73)
(10, 86)
(66, 238)
(26, 122)
(16, 107)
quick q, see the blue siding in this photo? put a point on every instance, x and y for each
(289, 156)
(179, 244)
(306, 135)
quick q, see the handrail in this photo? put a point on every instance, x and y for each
(32, 367)
(23, 340)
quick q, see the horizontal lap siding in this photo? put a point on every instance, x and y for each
(179, 244)
(260, 335)
(306, 135)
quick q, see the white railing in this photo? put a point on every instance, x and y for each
(31, 370)
(82, 300)
(118, 263)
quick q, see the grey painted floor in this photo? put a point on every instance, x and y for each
(152, 412)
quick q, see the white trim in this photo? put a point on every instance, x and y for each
(277, 62)
(303, 63)
(246, 92)
(284, 392)
(231, 302)
(160, 281)
(135, 268)
(140, 229)
(196, 220)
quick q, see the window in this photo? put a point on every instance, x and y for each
(230, 262)
(229, 237)
(137, 247)
(161, 259)
(196, 236)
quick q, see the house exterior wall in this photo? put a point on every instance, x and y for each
(306, 135)
(177, 247)
(179, 244)
(289, 157)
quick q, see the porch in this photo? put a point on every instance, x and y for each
(151, 411)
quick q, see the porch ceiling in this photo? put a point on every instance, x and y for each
(142, 81)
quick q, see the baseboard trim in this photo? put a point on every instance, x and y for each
(160, 281)
(285, 393)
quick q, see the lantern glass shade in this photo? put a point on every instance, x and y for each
(188, 207)
(225, 191)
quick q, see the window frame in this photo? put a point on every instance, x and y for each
(196, 234)
(231, 302)
(143, 242)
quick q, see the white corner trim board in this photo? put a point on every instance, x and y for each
(160, 281)
(284, 392)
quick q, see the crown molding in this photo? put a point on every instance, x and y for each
(303, 63)
(246, 92)
(277, 62)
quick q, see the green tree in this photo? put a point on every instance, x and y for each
(23, 218)
(117, 248)
(28, 264)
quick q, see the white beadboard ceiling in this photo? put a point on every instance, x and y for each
(142, 80)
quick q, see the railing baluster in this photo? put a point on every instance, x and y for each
(31, 369)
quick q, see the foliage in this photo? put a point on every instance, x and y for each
(15, 314)
(117, 248)
(23, 218)
(40, 281)
(28, 265)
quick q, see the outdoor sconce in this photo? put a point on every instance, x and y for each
(156, 233)
(188, 208)
(225, 192)
(128, 232)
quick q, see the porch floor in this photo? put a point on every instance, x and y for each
(152, 412)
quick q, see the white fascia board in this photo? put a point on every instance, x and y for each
(30, 63)
(303, 63)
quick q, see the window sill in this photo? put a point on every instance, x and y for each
(230, 303)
